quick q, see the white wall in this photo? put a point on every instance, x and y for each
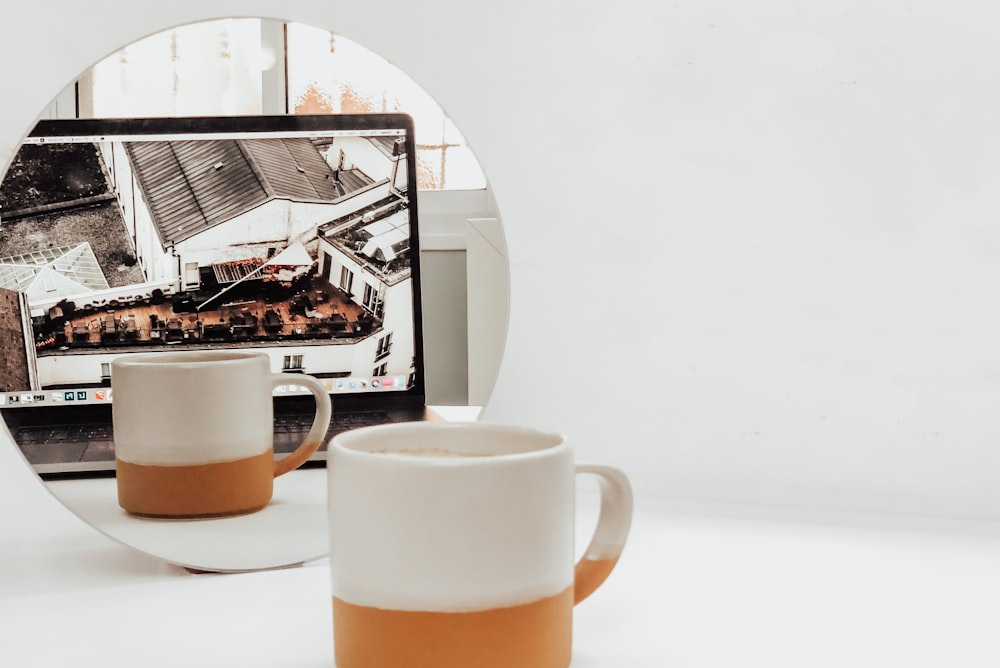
(813, 189)
(446, 328)
(443, 240)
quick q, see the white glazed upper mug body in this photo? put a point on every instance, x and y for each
(191, 407)
(450, 534)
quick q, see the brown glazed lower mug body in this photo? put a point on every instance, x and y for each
(216, 489)
(536, 634)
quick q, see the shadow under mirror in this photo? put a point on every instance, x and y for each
(239, 184)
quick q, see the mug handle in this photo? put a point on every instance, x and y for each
(314, 439)
(612, 529)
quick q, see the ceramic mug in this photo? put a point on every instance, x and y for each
(451, 545)
(194, 432)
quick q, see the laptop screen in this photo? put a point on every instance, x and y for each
(293, 235)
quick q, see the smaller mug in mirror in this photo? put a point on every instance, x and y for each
(194, 433)
(452, 545)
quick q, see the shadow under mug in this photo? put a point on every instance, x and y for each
(194, 433)
(451, 545)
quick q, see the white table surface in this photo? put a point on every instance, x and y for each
(290, 530)
(698, 585)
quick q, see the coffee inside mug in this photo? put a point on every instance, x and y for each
(452, 441)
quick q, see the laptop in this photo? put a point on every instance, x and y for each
(297, 236)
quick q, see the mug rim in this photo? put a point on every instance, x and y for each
(181, 358)
(558, 444)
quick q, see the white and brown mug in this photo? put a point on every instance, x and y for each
(452, 545)
(194, 432)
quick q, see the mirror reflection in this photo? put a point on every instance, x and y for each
(295, 236)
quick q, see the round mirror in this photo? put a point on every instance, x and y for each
(269, 200)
